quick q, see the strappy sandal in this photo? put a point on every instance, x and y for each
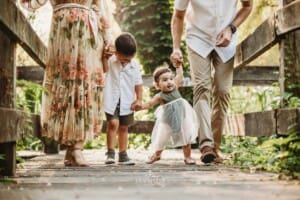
(152, 159)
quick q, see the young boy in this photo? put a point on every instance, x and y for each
(122, 94)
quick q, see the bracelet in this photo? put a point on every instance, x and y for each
(232, 28)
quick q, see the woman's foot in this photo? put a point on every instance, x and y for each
(189, 161)
(69, 160)
(152, 159)
(78, 159)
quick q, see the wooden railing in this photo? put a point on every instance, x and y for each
(14, 28)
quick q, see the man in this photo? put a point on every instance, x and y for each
(211, 39)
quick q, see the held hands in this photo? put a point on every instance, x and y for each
(223, 38)
(109, 49)
(176, 58)
(136, 105)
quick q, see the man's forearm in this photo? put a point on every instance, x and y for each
(177, 23)
(243, 13)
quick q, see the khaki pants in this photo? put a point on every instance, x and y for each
(212, 117)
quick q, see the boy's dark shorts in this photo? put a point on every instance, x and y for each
(125, 120)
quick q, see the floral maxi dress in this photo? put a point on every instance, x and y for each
(73, 80)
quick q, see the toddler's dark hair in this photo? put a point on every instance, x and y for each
(159, 71)
(125, 44)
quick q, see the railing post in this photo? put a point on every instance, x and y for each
(289, 72)
(7, 100)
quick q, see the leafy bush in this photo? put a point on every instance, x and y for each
(275, 154)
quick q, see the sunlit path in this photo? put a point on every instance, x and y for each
(44, 177)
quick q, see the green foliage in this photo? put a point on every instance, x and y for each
(29, 96)
(149, 21)
(29, 142)
(275, 154)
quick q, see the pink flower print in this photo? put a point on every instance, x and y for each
(72, 72)
(73, 15)
(82, 73)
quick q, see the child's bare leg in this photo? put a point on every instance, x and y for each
(187, 155)
(123, 138)
(111, 130)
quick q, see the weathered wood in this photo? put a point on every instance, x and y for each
(9, 123)
(262, 39)
(288, 121)
(249, 75)
(31, 73)
(8, 165)
(7, 71)
(255, 75)
(287, 18)
(12, 124)
(15, 25)
(260, 123)
(137, 127)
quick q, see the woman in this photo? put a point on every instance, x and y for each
(73, 82)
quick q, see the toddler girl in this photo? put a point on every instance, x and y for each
(176, 121)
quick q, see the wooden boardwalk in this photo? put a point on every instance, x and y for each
(44, 177)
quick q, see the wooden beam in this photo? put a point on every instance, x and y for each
(257, 43)
(16, 26)
(288, 18)
(267, 34)
(31, 73)
(12, 124)
(250, 75)
(288, 121)
(255, 75)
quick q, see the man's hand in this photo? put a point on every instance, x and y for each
(224, 38)
(176, 58)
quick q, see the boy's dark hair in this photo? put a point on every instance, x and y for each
(125, 44)
(159, 71)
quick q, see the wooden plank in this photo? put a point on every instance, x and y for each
(9, 123)
(7, 71)
(288, 121)
(250, 75)
(288, 18)
(137, 127)
(260, 123)
(31, 73)
(16, 26)
(255, 75)
(12, 124)
(262, 39)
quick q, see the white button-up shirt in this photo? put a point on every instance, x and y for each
(204, 21)
(120, 85)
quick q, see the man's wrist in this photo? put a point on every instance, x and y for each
(232, 28)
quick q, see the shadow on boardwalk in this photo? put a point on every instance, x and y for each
(44, 177)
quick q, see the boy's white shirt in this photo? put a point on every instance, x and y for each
(205, 20)
(120, 84)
